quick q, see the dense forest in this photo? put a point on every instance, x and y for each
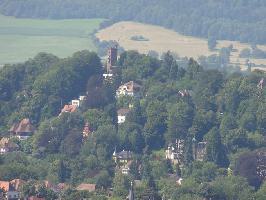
(191, 103)
(214, 19)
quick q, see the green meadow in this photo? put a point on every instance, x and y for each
(21, 39)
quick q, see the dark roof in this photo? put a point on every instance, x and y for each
(124, 155)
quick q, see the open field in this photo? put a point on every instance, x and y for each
(162, 40)
(21, 39)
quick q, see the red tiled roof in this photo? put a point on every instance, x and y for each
(4, 185)
(69, 108)
(87, 187)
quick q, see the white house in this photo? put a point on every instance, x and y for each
(121, 115)
(78, 102)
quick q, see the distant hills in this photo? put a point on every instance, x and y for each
(219, 19)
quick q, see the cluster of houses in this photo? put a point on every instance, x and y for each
(175, 152)
(11, 190)
(21, 131)
(123, 161)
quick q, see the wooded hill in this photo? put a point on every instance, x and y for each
(226, 111)
(219, 19)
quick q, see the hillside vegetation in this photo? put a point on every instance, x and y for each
(214, 19)
(227, 111)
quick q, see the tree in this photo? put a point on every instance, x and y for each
(155, 126)
(215, 151)
(231, 188)
(180, 117)
(246, 166)
(261, 193)
(121, 184)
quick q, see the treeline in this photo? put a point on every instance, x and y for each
(232, 20)
(227, 111)
(37, 88)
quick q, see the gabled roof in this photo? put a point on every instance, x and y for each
(24, 126)
(5, 185)
(124, 155)
(69, 108)
(87, 187)
(123, 111)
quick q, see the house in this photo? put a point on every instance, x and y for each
(78, 102)
(175, 152)
(121, 115)
(68, 109)
(22, 130)
(10, 190)
(123, 157)
(73, 106)
(86, 187)
(128, 89)
(6, 145)
(199, 150)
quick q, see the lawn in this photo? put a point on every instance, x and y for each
(21, 39)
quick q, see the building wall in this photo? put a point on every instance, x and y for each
(121, 119)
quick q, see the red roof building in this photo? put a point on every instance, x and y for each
(68, 109)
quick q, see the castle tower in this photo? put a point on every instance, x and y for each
(112, 58)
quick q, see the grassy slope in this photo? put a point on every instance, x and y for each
(24, 38)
